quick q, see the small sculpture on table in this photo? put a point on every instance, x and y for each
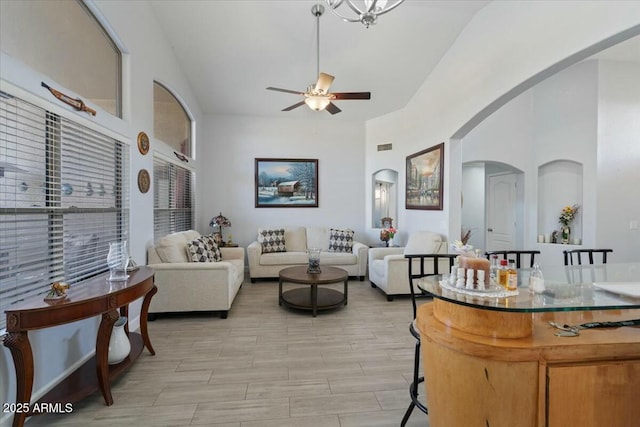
(57, 292)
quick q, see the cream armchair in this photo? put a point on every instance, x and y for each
(185, 286)
(388, 269)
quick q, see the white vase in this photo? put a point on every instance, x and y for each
(391, 242)
(119, 345)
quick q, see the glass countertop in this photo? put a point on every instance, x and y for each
(572, 288)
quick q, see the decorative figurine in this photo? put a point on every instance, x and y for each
(58, 291)
(554, 237)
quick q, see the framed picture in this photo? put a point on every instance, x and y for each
(425, 169)
(286, 183)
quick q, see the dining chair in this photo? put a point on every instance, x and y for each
(568, 255)
(517, 254)
(421, 265)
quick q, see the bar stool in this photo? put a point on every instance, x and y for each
(568, 255)
(517, 254)
(417, 379)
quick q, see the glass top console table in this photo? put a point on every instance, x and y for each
(573, 288)
(484, 354)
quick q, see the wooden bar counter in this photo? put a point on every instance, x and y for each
(496, 362)
(93, 297)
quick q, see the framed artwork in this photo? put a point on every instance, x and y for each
(286, 183)
(425, 170)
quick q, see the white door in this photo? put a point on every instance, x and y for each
(501, 212)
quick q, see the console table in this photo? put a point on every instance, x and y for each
(496, 362)
(94, 297)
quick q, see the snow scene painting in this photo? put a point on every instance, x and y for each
(286, 183)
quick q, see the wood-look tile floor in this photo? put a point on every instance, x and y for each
(267, 366)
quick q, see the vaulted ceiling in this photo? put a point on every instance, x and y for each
(233, 50)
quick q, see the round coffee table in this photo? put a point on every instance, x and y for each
(314, 298)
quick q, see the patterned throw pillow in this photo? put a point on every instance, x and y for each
(272, 240)
(213, 250)
(340, 240)
(198, 250)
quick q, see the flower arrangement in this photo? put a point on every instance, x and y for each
(387, 233)
(391, 232)
(568, 214)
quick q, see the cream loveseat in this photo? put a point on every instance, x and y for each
(184, 285)
(388, 269)
(293, 252)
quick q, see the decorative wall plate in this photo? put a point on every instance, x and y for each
(144, 181)
(143, 143)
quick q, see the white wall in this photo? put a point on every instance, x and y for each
(147, 58)
(226, 184)
(473, 209)
(506, 48)
(618, 189)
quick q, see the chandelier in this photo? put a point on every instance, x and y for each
(366, 11)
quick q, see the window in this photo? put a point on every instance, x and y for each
(63, 198)
(171, 123)
(67, 44)
(172, 198)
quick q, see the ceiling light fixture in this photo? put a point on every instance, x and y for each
(366, 11)
(317, 102)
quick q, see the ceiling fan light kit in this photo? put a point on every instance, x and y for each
(317, 102)
(366, 11)
(317, 96)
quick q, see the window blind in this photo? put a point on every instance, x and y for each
(172, 198)
(63, 198)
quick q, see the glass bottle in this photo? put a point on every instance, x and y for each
(536, 280)
(512, 276)
(493, 269)
(502, 273)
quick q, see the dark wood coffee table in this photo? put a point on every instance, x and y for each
(314, 298)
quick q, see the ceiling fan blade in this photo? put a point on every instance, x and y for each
(285, 90)
(332, 108)
(293, 106)
(324, 82)
(352, 95)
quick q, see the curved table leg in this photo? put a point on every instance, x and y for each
(143, 319)
(102, 354)
(18, 344)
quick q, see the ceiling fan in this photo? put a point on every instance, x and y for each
(317, 96)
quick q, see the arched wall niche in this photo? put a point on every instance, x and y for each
(559, 185)
(385, 197)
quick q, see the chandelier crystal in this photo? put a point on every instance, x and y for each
(365, 11)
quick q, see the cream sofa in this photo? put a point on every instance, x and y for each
(297, 240)
(388, 268)
(184, 285)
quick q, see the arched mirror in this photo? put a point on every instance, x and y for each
(385, 198)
